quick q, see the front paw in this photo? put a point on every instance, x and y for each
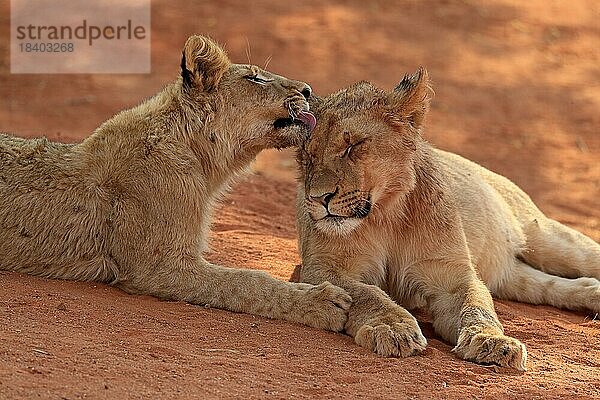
(324, 306)
(491, 348)
(400, 338)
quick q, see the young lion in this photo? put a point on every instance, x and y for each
(393, 221)
(131, 204)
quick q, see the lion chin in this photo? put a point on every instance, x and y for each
(337, 226)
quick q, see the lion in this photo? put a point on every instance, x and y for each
(397, 223)
(131, 204)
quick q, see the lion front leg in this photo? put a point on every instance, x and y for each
(374, 320)
(463, 313)
(391, 331)
(484, 342)
(324, 306)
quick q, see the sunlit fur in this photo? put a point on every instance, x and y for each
(131, 205)
(440, 229)
(338, 227)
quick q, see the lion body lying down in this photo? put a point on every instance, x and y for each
(131, 205)
(396, 222)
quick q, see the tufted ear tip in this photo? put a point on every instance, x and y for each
(409, 101)
(412, 82)
(203, 63)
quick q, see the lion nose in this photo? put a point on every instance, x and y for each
(306, 91)
(324, 199)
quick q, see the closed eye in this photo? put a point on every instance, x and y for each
(350, 147)
(258, 79)
(347, 151)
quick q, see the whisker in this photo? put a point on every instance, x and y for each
(267, 61)
(248, 51)
(373, 205)
(292, 112)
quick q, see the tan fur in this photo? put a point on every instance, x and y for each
(131, 204)
(396, 222)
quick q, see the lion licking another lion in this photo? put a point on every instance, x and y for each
(382, 215)
(131, 205)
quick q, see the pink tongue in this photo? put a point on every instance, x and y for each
(308, 118)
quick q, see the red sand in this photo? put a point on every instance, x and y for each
(516, 90)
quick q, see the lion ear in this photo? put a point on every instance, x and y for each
(203, 63)
(409, 101)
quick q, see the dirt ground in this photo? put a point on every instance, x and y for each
(517, 90)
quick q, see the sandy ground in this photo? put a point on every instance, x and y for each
(517, 90)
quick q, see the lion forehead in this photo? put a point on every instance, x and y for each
(346, 102)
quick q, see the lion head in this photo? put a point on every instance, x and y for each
(359, 160)
(259, 108)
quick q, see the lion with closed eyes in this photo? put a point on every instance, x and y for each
(131, 205)
(397, 223)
